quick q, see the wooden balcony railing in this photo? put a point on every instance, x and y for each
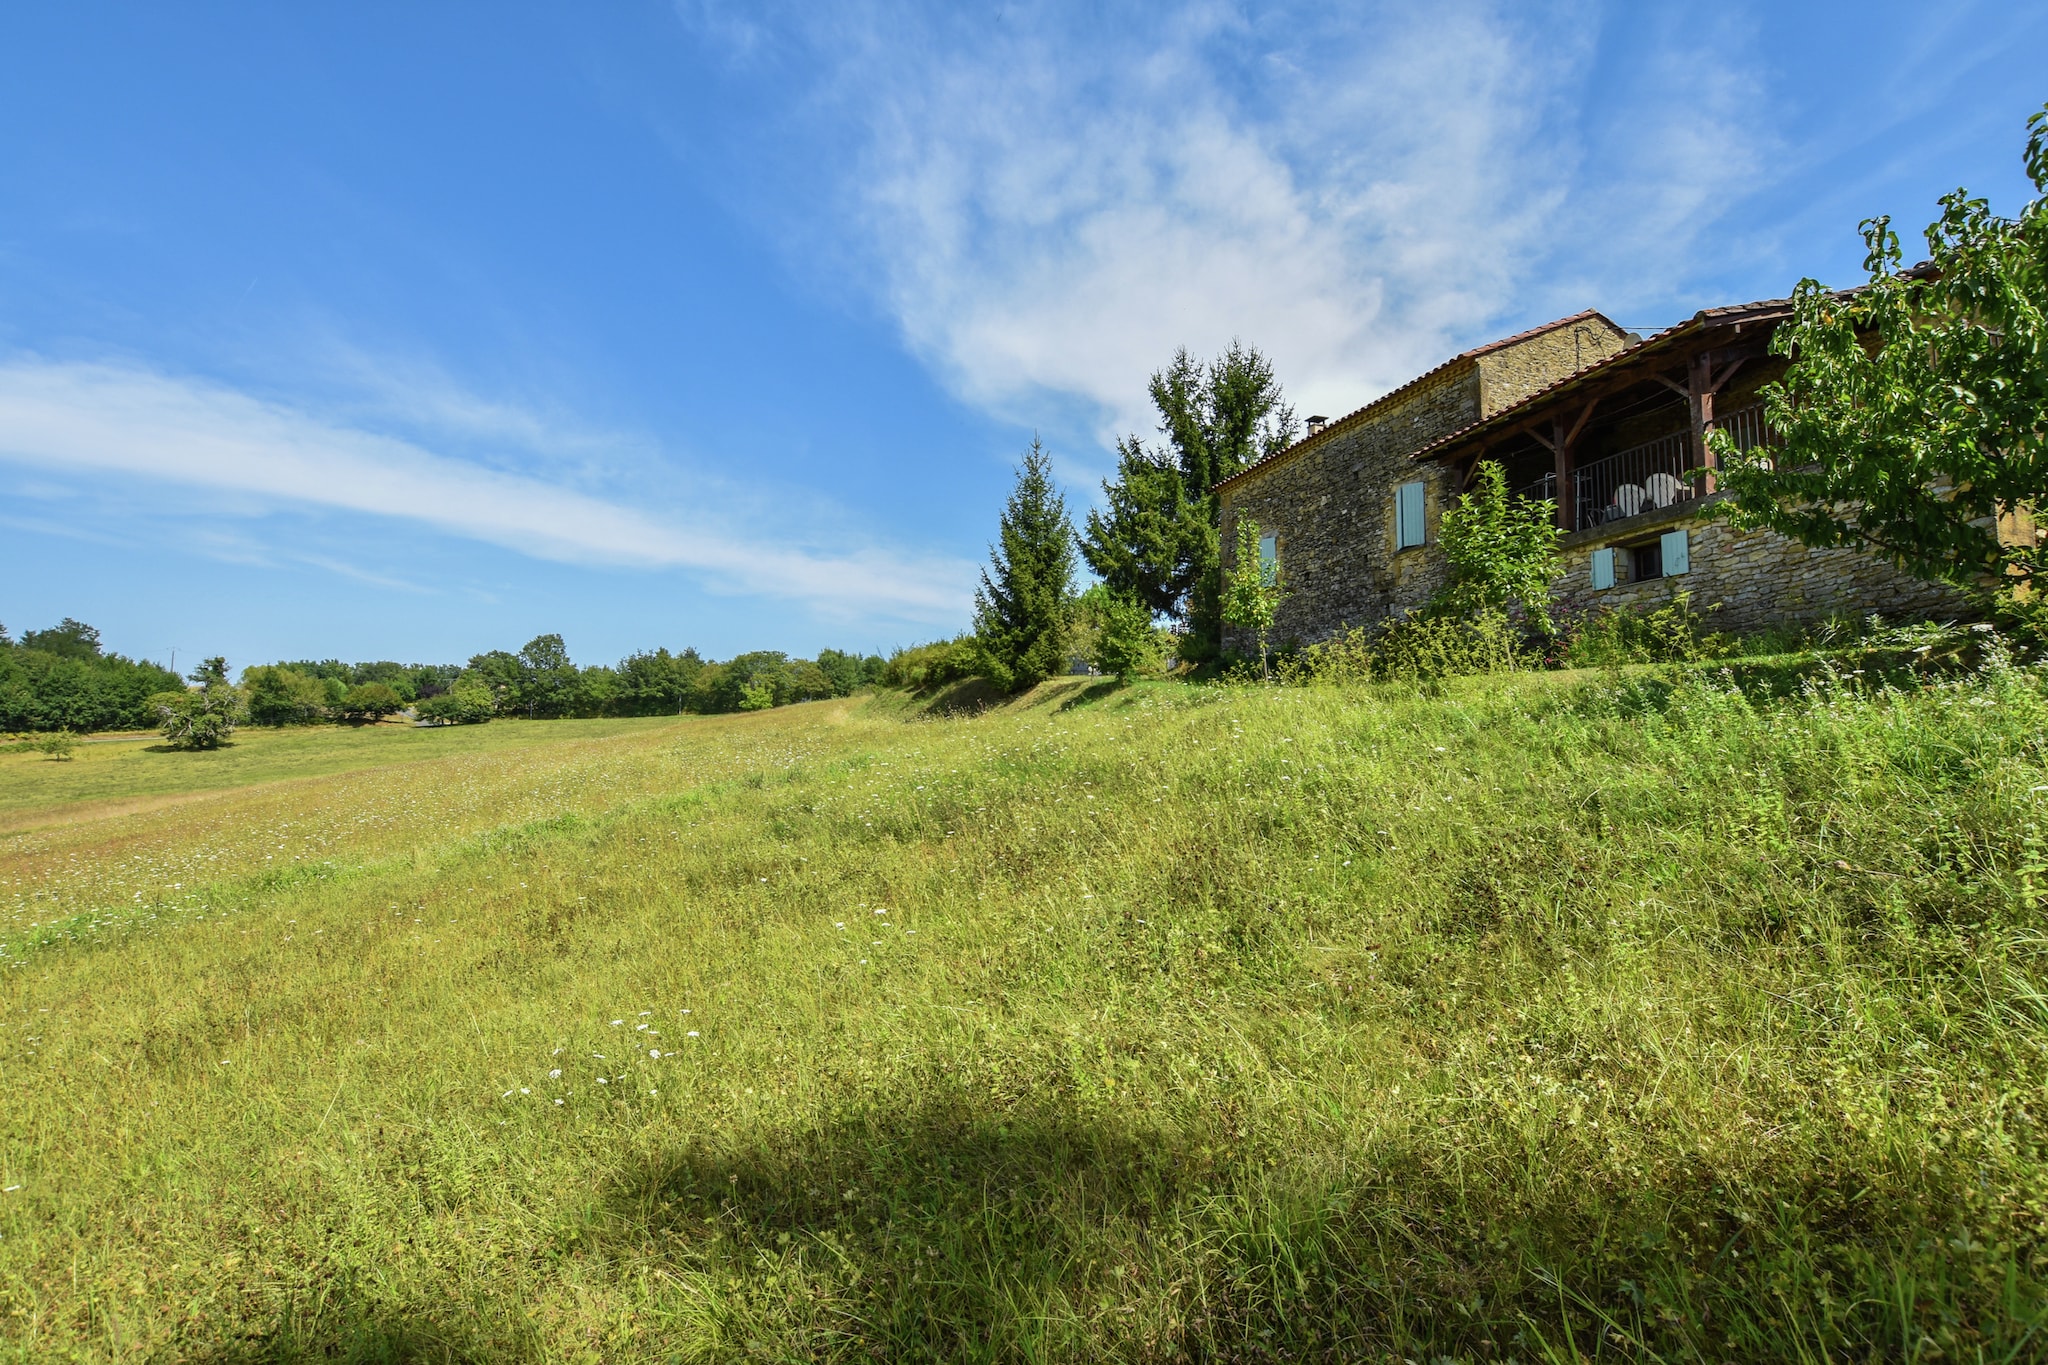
(1643, 478)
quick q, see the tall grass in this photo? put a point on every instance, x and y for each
(1547, 1017)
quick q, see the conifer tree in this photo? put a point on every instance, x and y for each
(1021, 610)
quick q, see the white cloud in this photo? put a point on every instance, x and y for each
(77, 417)
(1052, 203)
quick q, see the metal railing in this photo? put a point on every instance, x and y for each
(1646, 477)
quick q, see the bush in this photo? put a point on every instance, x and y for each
(468, 702)
(1673, 633)
(200, 717)
(368, 703)
(925, 668)
(1420, 648)
(283, 696)
(57, 746)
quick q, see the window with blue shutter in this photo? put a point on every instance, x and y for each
(1603, 568)
(1408, 515)
(1677, 557)
(1269, 552)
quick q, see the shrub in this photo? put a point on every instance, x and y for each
(283, 696)
(925, 668)
(1420, 648)
(57, 746)
(468, 702)
(367, 703)
(200, 717)
(1673, 633)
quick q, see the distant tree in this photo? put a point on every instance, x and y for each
(1914, 415)
(1252, 588)
(597, 692)
(68, 639)
(547, 678)
(1500, 549)
(658, 684)
(283, 696)
(808, 682)
(504, 676)
(468, 702)
(762, 668)
(1020, 610)
(843, 671)
(367, 703)
(57, 745)
(204, 715)
(756, 696)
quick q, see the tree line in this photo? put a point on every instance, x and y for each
(62, 679)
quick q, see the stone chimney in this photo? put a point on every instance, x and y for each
(1316, 425)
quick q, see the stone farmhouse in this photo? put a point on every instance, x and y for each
(1610, 426)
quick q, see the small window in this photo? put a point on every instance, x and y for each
(1677, 554)
(1408, 515)
(1603, 569)
(1269, 552)
(1646, 561)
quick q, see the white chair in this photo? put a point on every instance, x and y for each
(1663, 489)
(1629, 499)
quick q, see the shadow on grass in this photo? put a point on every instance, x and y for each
(345, 1333)
(949, 1233)
(968, 697)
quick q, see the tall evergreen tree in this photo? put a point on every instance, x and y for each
(1021, 609)
(1159, 541)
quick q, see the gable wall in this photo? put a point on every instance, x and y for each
(1512, 373)
(1332, 507)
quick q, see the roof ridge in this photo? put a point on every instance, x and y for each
(1355, 415)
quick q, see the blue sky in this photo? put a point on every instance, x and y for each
(402, 331)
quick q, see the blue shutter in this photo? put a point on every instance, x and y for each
(1603, 568)
(1408, 515)
(1269, 552)
(1677, 558)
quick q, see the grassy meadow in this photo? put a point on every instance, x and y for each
(1550, 1017)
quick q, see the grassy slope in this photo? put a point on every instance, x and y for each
(132, 769)
(1550, 1014)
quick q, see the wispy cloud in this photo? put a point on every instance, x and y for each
(1052, 200)
(77, 417)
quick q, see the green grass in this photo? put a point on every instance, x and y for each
(1545, 1017)
(134, 767)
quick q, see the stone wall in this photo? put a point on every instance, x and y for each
(1511, 372)
(1331, 501)
(1757, 578)
(1331, 505)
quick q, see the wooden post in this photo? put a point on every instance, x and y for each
(1700, 382)
(1561, 453)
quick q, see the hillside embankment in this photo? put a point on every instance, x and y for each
(1630, 1015)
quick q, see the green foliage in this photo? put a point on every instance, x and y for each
(468, 702)
(280, 695)
(59, 679)
(1158, 540)
(1422, 648)
(1115, 632)
(756, 696)
(1252, 588)
(1676, 632)
(57, 745)
(1912, 414)
(367, 703)
(1501, 549)
(1153, 541)
(68, 639)
(928, 667)
(204, 715)
(1021, 608)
